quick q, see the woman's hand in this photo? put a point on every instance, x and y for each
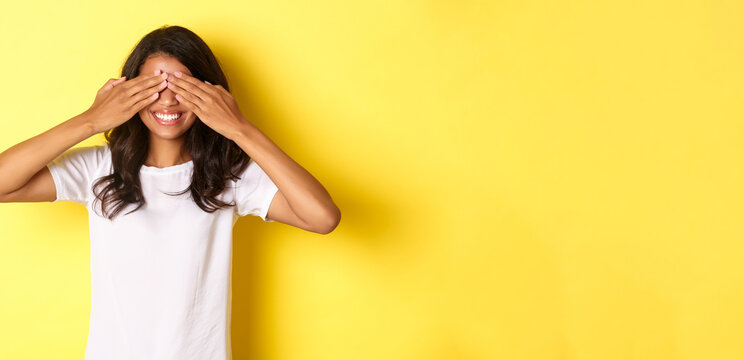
(214, 105)
(119, 99)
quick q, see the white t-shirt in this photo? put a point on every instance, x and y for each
(161, 277)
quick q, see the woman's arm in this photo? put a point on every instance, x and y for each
(23, 172)
(28, 159)
(302, 200)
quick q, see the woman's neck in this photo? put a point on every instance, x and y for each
(166, 153)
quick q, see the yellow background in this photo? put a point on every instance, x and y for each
(518, 179)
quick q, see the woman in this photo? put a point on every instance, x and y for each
(180, 164)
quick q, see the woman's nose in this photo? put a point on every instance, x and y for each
(167, 97)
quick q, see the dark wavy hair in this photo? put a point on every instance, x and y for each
(216, 159)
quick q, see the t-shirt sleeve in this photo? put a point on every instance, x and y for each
(73, 171)
(254, 192)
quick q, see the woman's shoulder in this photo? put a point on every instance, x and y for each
(87, 153)
(84, 160)
(96, 157)
(250, 172)
(97, 153)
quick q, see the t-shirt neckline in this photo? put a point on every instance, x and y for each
(151, 169)
(184, 166)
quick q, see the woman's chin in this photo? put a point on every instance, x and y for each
(168, 132)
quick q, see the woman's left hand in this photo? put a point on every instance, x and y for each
(214, 105)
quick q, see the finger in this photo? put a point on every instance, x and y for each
(183, 93)
(119, 80)
(189, 105)
(213, 87)
(144, 94)
(219, 87)
(223, 90)
(109, 81)
(190, 83)
(110, 84)
(134, 86)
(148, 96)
(136, 79)
(106, 85)
(139, 105)
(147, 83)
(143, 78)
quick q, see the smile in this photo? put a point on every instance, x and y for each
(167, 118)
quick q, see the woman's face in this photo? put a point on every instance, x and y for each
(166, 117)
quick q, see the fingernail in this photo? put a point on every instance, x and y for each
(207, 82)
(155, 95)
(178, 97)
(170, 77)
(178, 74)
(170, 85)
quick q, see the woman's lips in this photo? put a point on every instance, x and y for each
(167, 117)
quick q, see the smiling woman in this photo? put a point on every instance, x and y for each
(167, 109)
(148, 140)
(179, 166)
(166, 119)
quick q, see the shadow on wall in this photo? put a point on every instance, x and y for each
(367, 219)
(249, 337)
(364, 220)
(363, 212)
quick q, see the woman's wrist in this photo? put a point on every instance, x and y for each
(87, 122)
(246, 132)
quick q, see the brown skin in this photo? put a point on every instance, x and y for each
(166, 142)
(24, 176)
(301, 201)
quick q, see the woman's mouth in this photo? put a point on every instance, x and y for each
(168, 117)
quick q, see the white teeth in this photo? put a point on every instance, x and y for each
(167, 117)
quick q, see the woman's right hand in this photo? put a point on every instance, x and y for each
(119, 99)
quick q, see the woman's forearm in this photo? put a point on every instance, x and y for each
(306, 195)
(22, 161)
